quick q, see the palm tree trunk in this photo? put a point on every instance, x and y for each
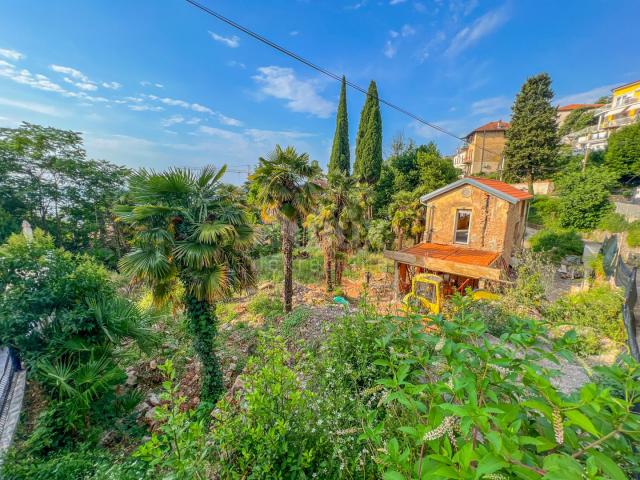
(202, 326)
(288, 235)
(328, 270)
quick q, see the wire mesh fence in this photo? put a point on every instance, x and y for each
(625, 277)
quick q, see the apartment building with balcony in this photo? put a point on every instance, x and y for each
(482, 152)
(623, 110)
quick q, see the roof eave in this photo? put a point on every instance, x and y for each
(469, 181)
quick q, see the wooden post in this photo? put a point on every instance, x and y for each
(396, 281)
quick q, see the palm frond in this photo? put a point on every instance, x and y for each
(195, 254)
(211, 233)
(149, 264)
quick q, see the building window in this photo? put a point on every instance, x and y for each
(463, 221)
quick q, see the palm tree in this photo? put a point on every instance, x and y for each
(286, 191)
(190, 228)
(337, 224)
(405, 217)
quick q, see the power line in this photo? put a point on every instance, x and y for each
(326, 72)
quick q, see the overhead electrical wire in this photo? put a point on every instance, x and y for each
(326, 72)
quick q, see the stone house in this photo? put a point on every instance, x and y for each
(472, 228)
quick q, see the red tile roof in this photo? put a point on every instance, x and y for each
(504, 188)
(453, 253)
(575, 106)
(491, 127)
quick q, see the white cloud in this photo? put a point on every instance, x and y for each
(588, 96)
(267, 136)
(32, 107)
(175, 119)
(111, 85)
(420, 7)
(145, 108)
(231, 42)
(489, 106)
(146, 83)
(173, 102)
(396, 2)
(294, 33)
(356, 6)
(390, 49)
(393, 42)
(196, 107)
(481, 27)
(72, 72)
(301, 95)
(235, 63)
(232, 122)
(11, 54)
(25, 77)
(220, 132)
(425, 51)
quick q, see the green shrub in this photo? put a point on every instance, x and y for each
(226, 312)
(179, 449)
(633, 237)
(292, 320)
(64, 465)
(584, 197)
(544, 211)
(267, 307)
(558, 243)
(273, 432)
(459, 406)
(613, 222)
(599, 308)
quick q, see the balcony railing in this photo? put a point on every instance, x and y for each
(619, 122)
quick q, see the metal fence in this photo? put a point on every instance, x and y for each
(624, 277)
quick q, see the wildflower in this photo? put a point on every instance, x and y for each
(348, 431)
(372, 390)
(495, 476)
(445, 426)
(501, 370)
(440, 345)
(558, 429)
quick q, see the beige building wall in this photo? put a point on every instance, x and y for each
(485, 151)
(496, 225)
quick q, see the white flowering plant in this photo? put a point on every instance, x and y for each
(460, 404)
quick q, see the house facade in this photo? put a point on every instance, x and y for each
(473, 226)
(482, 153)
(565, 110)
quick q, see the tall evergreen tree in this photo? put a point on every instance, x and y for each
(532, 139)
(340, 156)
(369, 140)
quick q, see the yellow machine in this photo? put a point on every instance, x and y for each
(427, 294)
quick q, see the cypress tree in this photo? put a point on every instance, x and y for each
(340, 156)
(532, 139)
(369, 140)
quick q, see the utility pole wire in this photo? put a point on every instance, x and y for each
(324, 71)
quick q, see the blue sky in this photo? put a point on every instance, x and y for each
(158, 83)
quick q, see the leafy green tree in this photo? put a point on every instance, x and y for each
(532, 139)
(623, 152)
(340, 154)
(286, 190)
(577, 120)
(383, 191)
(369, 140)
(379, 234)
(46, 179)
(435, 170)
(584, 197)
(188, 228)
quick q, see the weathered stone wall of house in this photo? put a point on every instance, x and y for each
(488, 160)
(496, 224)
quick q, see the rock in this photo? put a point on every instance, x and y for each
(151, 414)
(153, 399)
(153, 364)
(238, 386)
(132, 378)
(232, 367)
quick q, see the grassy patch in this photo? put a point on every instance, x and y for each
(599, 309)
(266, 307)
(558, 243)
(298, 316)
(305, 270)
